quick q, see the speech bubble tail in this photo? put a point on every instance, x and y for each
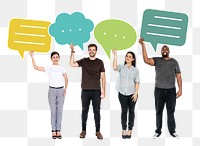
(154, 46)
(107, 52)
(81, 46)
(21, 53)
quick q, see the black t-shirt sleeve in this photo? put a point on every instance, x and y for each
(155, 60)
(80, 62)
(102, 69)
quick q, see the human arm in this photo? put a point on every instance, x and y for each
(135, 95)
(115, 67)
(72, 62)
(66, 82)
(103, 85)
(147, 60)
(39, 68)
(179, 81)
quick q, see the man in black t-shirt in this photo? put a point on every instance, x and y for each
(167, 69)
(93, 72)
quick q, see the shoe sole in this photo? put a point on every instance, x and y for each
(157, 136)
(175, 137)
(99, 138)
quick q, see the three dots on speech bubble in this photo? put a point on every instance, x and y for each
(26, 35)
(157, 27)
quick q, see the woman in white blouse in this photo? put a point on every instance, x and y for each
(127, 87)
(58, 83)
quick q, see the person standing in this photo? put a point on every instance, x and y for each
(167, 70)
(58, 83)
(127, 86)
(93, 86)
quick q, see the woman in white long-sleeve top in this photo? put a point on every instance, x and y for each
(127, 87)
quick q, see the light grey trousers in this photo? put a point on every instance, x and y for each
(56, 101)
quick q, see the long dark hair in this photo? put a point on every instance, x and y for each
(133, 55)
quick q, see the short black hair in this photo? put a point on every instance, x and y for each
(165, 46)
(92, 45)
(53, 53)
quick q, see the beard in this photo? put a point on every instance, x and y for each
(92, 54)
(165, 55)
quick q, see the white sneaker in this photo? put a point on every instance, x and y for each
(175, 135)
(156, 135)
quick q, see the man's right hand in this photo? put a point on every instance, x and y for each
(141, 41)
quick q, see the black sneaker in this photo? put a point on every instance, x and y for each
(156, 135)
(175, 135)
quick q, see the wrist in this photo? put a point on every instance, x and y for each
(72, 51)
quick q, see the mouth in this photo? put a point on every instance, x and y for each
(128, 60)
(92, 54)
(165, 54)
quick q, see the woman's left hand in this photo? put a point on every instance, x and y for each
(134, 97)
(64, 92)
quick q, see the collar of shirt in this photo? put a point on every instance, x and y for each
(128, 67)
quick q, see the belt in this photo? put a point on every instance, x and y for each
(56, 87)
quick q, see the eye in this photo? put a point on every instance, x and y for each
(104, 33)
(79, 29)
(63, 30)
(124, 37)
(115, 35)
(70, 30)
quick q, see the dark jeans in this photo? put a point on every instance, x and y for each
(167, 96)
(127, 105)
(86, 97)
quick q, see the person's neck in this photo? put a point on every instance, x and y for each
(167, 58)
(55, 63)
(129, 65)
(92, 58)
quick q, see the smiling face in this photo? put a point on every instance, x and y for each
(165, 51)
(92, 51)
(129, 58)
(55, 58)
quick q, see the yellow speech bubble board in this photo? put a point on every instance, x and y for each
(26, 35)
